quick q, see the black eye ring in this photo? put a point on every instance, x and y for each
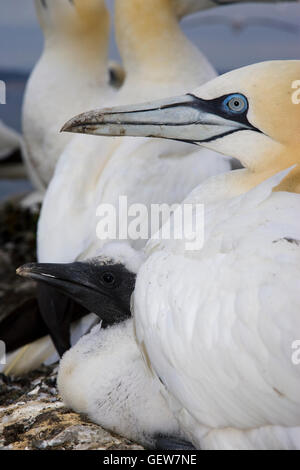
(108, 278)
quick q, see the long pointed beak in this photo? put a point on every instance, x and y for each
(79, 281)
(186, 118)
(57, 275)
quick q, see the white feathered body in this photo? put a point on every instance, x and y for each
(218, 324)
(105, 377)
(69, 91)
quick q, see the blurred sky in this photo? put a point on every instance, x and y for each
(21, 39)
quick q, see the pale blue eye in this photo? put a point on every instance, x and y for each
(236, 104)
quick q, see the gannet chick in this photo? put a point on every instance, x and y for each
(71, 72)
(218, 322)
(104, 375)
(110, 283)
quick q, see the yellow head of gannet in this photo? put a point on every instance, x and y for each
(152, 45)
(72, 18)
(71, 70)
(251, 114)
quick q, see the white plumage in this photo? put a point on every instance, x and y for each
(105, 377)
(219, 324)
(70, 75)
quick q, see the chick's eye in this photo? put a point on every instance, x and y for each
(108, 278)
(236, 104)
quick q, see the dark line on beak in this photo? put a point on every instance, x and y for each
(210, 139)
(140, 123)
(166, 106)
(220, 136)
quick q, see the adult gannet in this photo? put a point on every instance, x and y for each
(219, 324)
(157, 58)
(71, 73)
(104, 375)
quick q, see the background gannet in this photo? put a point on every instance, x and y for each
(218, 324)
(104, 375)
(71, 72)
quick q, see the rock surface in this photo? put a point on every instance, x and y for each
(17, 247)
(33, 417)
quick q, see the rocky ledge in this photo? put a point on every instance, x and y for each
(33, 417)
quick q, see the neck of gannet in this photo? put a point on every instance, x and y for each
(291, 183)
(80, 52)
(242, 181)
(152, 44)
